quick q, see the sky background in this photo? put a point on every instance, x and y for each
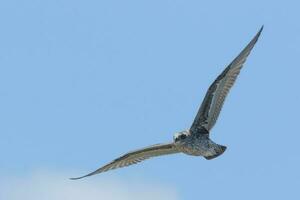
(82, 82)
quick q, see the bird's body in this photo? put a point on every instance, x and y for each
(198, 144)
(194, 141)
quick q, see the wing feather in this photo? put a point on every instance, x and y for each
(214, 99)
(135, 157)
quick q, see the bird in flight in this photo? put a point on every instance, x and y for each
(194, 141)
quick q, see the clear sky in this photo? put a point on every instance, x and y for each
(82, 82)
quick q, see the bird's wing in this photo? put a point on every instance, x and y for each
(135, 157)
(214, 99)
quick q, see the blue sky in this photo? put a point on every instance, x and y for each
(82, 82)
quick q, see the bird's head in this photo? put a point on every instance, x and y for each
(180, 137)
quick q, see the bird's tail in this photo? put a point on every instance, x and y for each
(219, 150)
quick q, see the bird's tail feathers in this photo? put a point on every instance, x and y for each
(219, 150)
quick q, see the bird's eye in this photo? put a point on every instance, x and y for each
(182, 137)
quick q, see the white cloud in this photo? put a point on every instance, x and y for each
(53, 186)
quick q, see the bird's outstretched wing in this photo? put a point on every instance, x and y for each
(135, 157)
(214, 99)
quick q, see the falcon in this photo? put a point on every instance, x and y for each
(194, 141)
